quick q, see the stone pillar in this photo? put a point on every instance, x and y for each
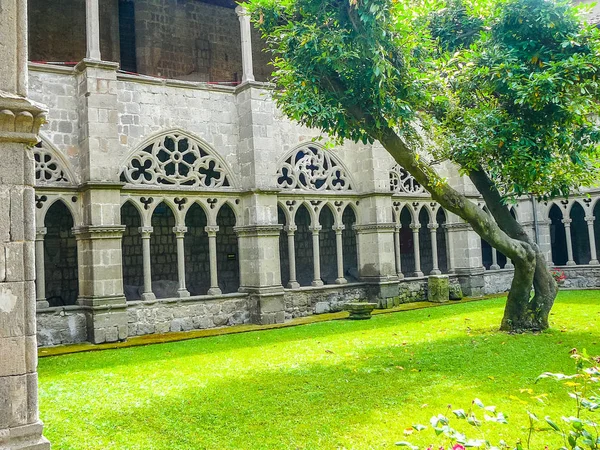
(180, 236)
(465, 256)
(40, 270)
(509, 264)
(494, 265)
(291, 231)
(339, 252)
(101, 281)
(567, 223)
(316, 256)
(20, 120)
(247, 69)
(212, 254)
(145, 234)
(434, 250)
(593, 253)
(397, 253)
(449, 259)
(92, 28)
(415, 227)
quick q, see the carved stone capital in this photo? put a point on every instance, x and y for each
(338, 228)
(567, 222)
(20, 119)
(315, 229)
(290, 229)
(146, 232)
(415, 227)
(180, 231)
(40, 232)
(433, 226)
(590, 219)
(211, 230)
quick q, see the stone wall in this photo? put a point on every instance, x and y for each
(146, 109)
(189, 314)
(58, 91)
(307, 301)
(582, 276)
(497, 281)
(61, 326)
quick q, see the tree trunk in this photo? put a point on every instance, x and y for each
(520, 315)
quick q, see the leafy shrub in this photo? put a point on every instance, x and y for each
(577, 430)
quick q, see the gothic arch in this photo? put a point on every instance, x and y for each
(311, 167)
(51, 167)
(176, 158)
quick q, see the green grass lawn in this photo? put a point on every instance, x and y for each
(330, 385)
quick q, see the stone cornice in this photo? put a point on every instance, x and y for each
(20, 119)
(99, 231)
(97, 185)
(387, 227)
(92, 63)
(258, 230)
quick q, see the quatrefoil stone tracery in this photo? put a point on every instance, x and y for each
(402, 182)
(175, 160)
(314, 169)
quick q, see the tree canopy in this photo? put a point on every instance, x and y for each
(505, 89)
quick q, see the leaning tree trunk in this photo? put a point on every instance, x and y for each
(518, 314)
(522, 312)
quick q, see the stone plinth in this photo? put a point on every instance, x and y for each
(438, 290)
(360, 310)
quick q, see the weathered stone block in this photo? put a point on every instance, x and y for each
(438, 289)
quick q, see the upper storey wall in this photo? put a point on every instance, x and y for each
(181, 39)
(57, 30)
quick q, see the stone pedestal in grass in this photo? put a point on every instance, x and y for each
(360, 310)
(438, 290)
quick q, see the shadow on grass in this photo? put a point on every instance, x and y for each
(331, 403)
(212, 345)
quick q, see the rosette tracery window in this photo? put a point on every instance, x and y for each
(176, 160)
(48, 168)
(402, 182)
(313, 169)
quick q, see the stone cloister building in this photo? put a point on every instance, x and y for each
(172, 195)
(165, 192)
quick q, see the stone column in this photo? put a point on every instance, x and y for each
(291, 231)
(247, 69)
(509, 264)
(449, 259)
(316, 256)
(180, 236)
(212, 254)
(494, 265)
(339, 252)
(20, 120)
(397, 253)
(146, 233)
(567, 223)
(465, 256)
(415, 227)
(593, 253)
(434, 250)
(40, 270)
(92, 28)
